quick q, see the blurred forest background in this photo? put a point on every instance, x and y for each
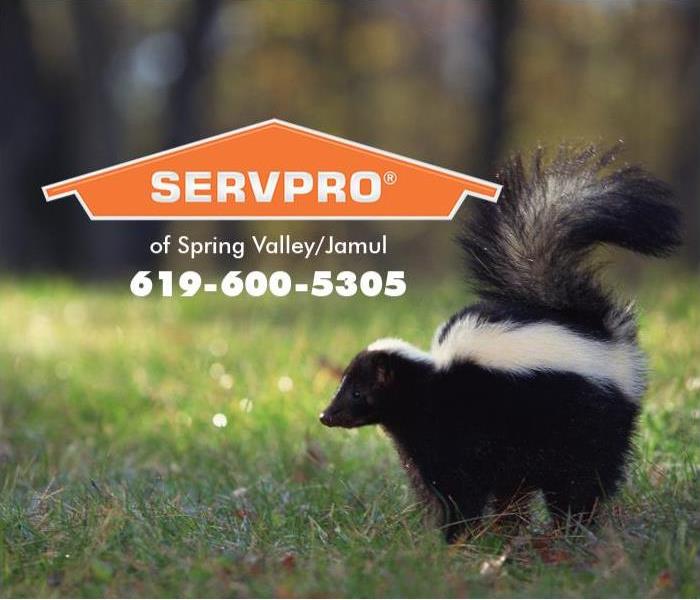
(84, 85)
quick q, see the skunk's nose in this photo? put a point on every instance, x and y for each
(325, 418)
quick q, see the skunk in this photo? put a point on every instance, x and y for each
(536, 386)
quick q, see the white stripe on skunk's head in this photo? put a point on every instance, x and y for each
(542, 346)
(402, 348)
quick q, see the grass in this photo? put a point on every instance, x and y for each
(115, 482)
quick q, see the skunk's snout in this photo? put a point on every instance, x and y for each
(326, 419)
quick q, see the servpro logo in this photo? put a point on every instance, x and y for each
(236, 186)
(273, 170)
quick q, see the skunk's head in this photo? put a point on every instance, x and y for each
(374, 384)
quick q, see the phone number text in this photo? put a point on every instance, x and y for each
(279, 283)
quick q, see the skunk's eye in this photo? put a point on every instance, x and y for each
(355, 394)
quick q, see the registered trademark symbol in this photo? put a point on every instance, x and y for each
(390, 177)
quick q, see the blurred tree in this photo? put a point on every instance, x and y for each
(98, 134)
(687, 144)
(185, 112)
(33, 131)
(501, 21)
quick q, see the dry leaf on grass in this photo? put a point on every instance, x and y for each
(330, 367)
(289, 561)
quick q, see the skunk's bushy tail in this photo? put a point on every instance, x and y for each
(533, 246)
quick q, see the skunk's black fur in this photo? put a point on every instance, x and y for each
(536, 386)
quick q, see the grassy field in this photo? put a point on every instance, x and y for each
(114, 480)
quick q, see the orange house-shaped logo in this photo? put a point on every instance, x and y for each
(273, 170)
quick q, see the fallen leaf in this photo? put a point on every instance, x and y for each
(553, 556)
(332, 368)
(548, 552)
(663, 581)
(289, 561)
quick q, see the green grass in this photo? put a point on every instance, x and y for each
(114, 481)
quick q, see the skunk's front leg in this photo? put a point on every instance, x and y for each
(462, 507)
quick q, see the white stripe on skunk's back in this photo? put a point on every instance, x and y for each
(522, 348)
(402, 348)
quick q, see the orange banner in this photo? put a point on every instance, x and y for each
(273, 170)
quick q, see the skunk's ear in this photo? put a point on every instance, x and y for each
(383, 371)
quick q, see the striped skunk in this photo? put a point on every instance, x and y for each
(537, 385)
